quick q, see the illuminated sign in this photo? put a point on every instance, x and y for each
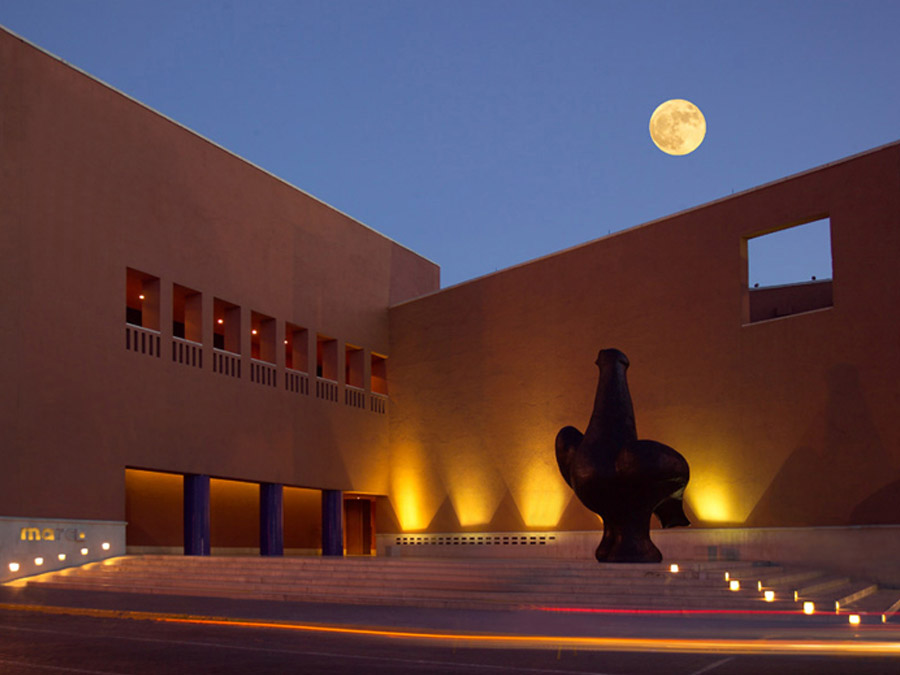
(51, 534)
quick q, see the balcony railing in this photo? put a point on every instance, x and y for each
(296, 382)
(327, 390)
(187, 352)
(142, 340)
(378, 403)
(354, 396)
(226, 363)
(262, 372)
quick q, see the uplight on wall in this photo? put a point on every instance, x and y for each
(13, 567)
(727, 576)
(759, 586)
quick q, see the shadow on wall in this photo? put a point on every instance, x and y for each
(828, 479)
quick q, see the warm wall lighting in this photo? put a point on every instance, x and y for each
(253, 332)
(38, 561)
(13, 567)
(105, 545)
(220, 321)
(141, 296)
(796, 596)
(727, 576)
(837, 607)
(734, 585)
(854, 619)
(61, 557)
(84, 551)
(673, 567)
(809, 607)
(285, 342)
(759, 586)
(769, 596)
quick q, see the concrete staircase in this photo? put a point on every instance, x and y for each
(480, 583)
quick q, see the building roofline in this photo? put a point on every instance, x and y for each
(655, 221)
(204, 138)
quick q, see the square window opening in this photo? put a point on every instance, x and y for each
(789, 271)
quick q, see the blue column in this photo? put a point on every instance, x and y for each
(332, 525)
(271, 519)
(196, 514)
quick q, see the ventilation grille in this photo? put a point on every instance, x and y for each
(476, 540)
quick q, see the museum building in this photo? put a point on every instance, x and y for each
(201, 358)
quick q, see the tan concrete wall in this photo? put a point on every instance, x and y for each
(94, 183)
(788, 422)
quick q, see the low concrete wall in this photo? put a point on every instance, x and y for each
(31, 546)
(867, 552)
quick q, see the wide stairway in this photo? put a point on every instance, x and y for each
(482, 583)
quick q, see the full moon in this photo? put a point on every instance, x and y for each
(677, 127)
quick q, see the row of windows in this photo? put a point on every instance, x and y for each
(142, 308)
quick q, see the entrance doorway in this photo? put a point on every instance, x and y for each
(359, 525)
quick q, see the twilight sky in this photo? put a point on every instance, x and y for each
(484, 133)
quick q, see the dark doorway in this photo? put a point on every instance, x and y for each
(359, 525)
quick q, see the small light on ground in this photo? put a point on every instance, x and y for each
(854, 619)
(769, 596)
(809, 607)
(734, 585)
(38, 561)
(13, 567)
(673, 567)
(105, 545)
(84, 551)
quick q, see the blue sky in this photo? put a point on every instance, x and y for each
(485, 133)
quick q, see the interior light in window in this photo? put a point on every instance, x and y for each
(61, 556)
(13, 567)
(770, 596)
(105, 545)
(809, 608)
(38, 561)
(84, 551)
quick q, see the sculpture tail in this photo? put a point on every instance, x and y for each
(671, 513)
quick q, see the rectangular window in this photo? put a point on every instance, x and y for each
(326, 357)
(141, 299)
(187, 313)
(262, 337)
(789, 271)
(379, 374)
(354, 364)
(226, 326)
(296, 348)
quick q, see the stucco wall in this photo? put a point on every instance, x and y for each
(784, 422)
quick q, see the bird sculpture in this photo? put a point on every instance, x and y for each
(622, 479)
